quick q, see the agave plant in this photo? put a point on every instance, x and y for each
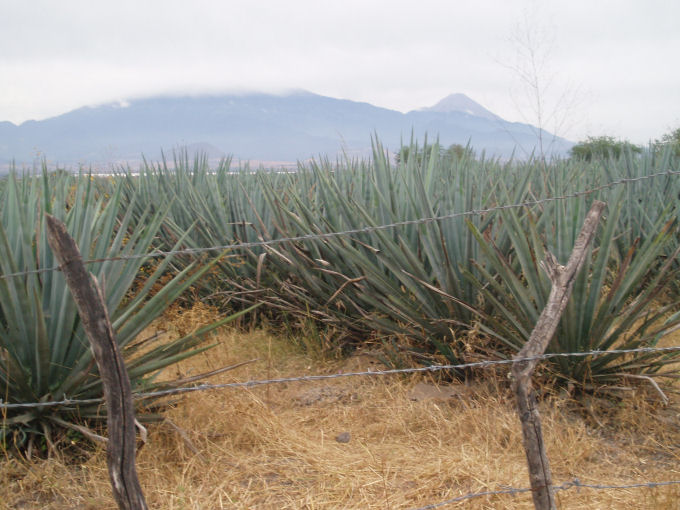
(407, 281)
(617, 298)
(44, 353)
(386, 282)
(366, 283)
(217, 206)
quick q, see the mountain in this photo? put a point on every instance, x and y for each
(260, 127)
(462, 104)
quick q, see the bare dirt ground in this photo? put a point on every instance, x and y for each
(382, 442)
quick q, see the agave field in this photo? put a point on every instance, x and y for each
(454, 277)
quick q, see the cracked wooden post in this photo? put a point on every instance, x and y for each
(117, 390)
(562, 278)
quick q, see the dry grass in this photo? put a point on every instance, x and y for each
(275, 447)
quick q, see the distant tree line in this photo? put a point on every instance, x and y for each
(592, 148)
(670, 140)
(598, 147)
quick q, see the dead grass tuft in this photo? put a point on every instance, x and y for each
(402, 444)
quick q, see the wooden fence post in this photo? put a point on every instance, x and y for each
(117, 390)
(562, 278)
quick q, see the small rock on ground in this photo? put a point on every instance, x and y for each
(344, 437)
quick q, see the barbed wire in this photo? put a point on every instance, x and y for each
(321, 377)
(565, 486)
(363, 230)
(471, 496)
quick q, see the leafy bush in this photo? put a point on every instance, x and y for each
(669, 141)
(602, 147)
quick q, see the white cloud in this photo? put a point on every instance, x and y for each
(619, 55)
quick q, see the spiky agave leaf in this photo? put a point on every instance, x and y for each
(44, 354)
(615, 299)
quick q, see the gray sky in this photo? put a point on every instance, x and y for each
(603, 67)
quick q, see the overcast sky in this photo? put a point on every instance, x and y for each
(602, 67)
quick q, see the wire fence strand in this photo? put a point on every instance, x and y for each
(363, 230)
(322, 377)
(575, 483)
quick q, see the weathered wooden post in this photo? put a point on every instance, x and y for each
(117, 390)
(562, 278)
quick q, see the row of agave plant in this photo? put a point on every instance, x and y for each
(464, 284)
(424, 288)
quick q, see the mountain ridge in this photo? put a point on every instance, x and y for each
(257, 126)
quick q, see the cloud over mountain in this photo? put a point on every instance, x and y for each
(261, 127)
